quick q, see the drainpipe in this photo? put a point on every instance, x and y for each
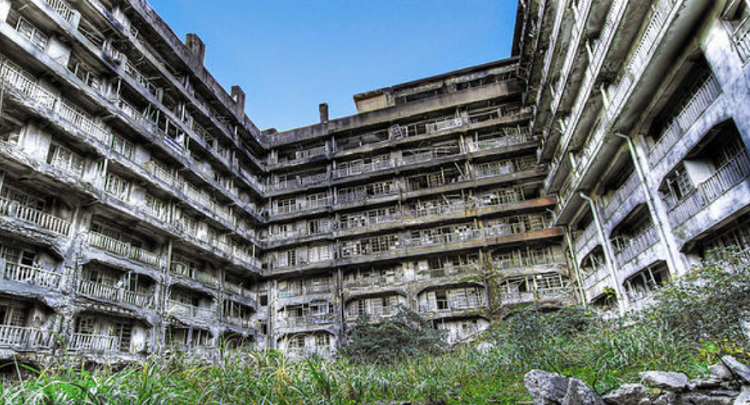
(671, 260)
(576, 268)
(607, 254)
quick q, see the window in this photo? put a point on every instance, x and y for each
(64, 159)
(678, 185)
(117, 186)
(31, 33)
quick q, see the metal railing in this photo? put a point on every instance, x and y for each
(17, 79)
(83, 122)
(729, 175)
(517, 297)
(123, 249)
(25, 337)
(29, 275)
(741, 37)
(699, 102)
(627, 251)
(306, 321)
(94, 343)
(443, 125)
(63, 9)
(449, 271)
(585, 236)
(112, 293)
(363, 168)
(180, 308)
(32, 215)
(372, 313)
(621, 195)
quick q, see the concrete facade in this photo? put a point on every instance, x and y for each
(142, 212)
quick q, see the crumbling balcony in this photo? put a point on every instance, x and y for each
(93, 343)
(452, 299)
(237, 314)
(189, 304)
(33, 216)
(543, 288)
(373, 277)
(310, 315)
(503, 138)
(732, 173)
(304, 287)
(185, 338)
(23, 338)
(123, 249)
(527, 258)
(699, 101)
(29, 274)
(112, 285)
(374, 308)
(184, 268)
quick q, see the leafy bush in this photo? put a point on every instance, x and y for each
(709, 302)
(405, 334)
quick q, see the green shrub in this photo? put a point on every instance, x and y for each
(404, 334)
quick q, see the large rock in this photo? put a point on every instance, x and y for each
(720, 371)
(665, 380)
(738, 369)
(627, 394)
(579, 394)
(694, 398)
(546, 388)
(743, 398)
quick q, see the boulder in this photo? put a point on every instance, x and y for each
(665, 380)
(546, 388)
(694, 398)
(739, 370)
(627, 394)
(743, 398)
(579, 394)
(720, 371)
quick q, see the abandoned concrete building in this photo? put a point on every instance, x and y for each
(142, 212)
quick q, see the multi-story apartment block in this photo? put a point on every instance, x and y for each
(643, 111)
(142, 212)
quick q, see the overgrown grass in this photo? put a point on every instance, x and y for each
(692, 324)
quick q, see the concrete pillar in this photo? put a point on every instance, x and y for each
(323, 111)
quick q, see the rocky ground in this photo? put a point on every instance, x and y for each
(727, 384)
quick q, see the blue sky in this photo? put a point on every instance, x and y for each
(290, 55)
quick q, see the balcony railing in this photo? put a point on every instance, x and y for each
(621, 195)
(84, 122)
(585, 236)
(453, 237)
(29, 275)
(627, 251)
(373, 313)
(123, 249)
(468, 269)
(63, 9)
(533, 259)
(523, 135)
(180, 308)
(729, 175)
(741, 37)
(444, 125)
(15, 78)
(699, 102)
(453, 304)
(642, 54)
(363, 168)
(306, 321)
(517, 297)
(112, 293)
(32, 215)
(25, 338)
(241, 322)
(306, 290)
(93, 343)
(239, 290)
